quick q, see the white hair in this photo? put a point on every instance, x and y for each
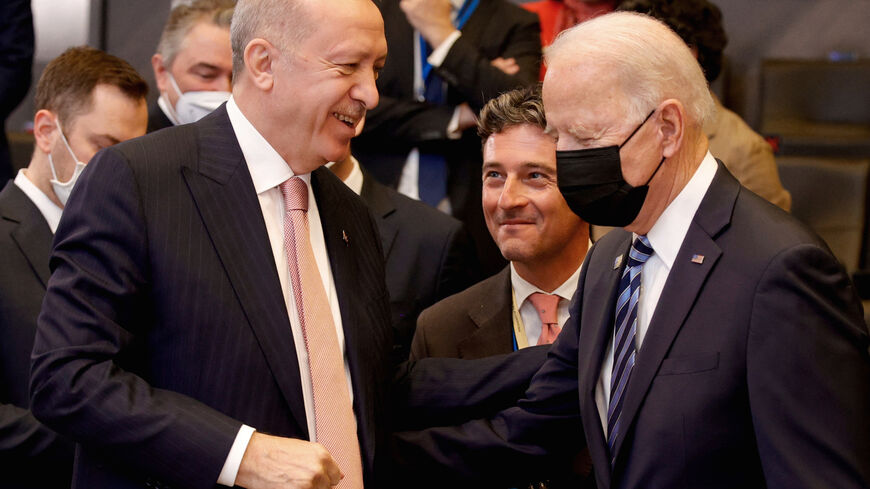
(281, 22)
(649, 60)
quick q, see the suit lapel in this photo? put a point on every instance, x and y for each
(340, 236)
(382, 207)
(682, 287)
(493, 320)
(224, 193)
(32, 234)
(598, 309)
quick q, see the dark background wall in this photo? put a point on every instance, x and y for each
(757, 30)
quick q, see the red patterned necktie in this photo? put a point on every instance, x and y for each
(334, 421)
(547, 306)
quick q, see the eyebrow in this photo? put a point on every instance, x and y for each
(207, 66)
(528, 165)
(106, 137)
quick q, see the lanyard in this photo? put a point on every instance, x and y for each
(462, 17)
(520, 338)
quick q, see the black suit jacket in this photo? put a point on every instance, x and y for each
(474, 323)
(753, 373)
(497, 28)
(157, 118)
(33, 455)
(164, 326)
(427, 256)
(16, 64)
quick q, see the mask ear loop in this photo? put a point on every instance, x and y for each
(632, 135)
(68, 148)
(637, 129)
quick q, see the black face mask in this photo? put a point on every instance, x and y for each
(592, 184)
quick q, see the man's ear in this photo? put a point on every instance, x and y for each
(259, 57)
(672, 127)
(160, 72)
(45, 130)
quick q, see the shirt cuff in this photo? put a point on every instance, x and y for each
(437, 57)
(230, 470)
(453, 131)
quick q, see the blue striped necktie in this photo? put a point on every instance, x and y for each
(624, 350)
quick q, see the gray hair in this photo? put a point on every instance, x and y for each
(650, 61)
(284, 23)
(182, 19)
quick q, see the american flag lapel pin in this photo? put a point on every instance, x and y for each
(699, 259)
(617, 262)
(345, 238)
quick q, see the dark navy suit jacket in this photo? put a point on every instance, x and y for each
(164, 326)
(36, 457)
(754, 372)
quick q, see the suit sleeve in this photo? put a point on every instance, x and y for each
(522, 443)
(16, 53)
(23, 436)
(467, 70)
(95, 316)
(406, 121)
(808, 374)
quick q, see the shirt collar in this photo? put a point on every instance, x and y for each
(667, 234)
(523, 289)
(268, 169)
(49, 210)
(456, 4)
(354, 179)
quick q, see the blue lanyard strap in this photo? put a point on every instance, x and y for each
(462, 17)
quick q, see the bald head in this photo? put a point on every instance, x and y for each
(648, 61)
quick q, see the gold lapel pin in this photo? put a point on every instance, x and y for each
(345, 238)
(617, 262)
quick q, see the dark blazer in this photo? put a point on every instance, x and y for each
(753, 373)
(497, 28)
(474, 323)
(427, 253)
(156, 118)
(34, 455)
(16, 66)
(164, 326)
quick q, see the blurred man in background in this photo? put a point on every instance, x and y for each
(193, 65)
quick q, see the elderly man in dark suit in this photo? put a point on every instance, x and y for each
(223, 317)
(85, 100)
(714, 342)
(447, 59)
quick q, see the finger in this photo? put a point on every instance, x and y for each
(333, 472)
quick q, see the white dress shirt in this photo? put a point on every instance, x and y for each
(666, 237)
(49, 210)
(268, 170)
(522, 289)
(409, 180)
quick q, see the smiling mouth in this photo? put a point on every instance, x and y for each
(347, 120)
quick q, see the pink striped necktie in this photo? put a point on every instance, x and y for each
(547, 306)
(334, 421)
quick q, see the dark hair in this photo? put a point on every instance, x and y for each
(67, 83)
(514, 108)
(698, 22)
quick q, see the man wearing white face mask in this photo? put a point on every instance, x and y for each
(193, 64)
(86, 100)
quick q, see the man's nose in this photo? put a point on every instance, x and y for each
(512, 194)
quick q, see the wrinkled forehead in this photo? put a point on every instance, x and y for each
(585, 96)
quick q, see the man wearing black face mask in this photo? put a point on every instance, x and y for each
(714, 342)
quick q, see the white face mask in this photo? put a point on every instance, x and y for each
(63, 189)
(193, 106)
